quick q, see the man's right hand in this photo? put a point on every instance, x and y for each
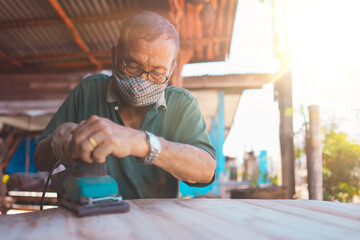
(60, 141)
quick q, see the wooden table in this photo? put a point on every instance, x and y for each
(194, 219)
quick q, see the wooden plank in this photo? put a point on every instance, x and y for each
(273, 224)
(190, 219)
(242, 219)
(285, 225)
(303, 227)
(295, 208)
(346, 210)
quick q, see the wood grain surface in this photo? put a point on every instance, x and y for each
(194, 219)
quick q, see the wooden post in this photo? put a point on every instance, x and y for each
(283, 94)
(220, 158)
(3, 209)
(314, 154)
(3, 149)
(27, 157)
(183, 57)
(283, 88)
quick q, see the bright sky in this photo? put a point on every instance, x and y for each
(325, 49)
(325, 45)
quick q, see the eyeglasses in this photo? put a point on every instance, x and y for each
(134, 70)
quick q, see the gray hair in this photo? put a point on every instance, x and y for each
(148, 26)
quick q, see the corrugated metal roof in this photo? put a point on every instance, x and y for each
(19, 10)
(35, 36)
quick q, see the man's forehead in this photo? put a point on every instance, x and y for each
(159, 42)
(159, 48)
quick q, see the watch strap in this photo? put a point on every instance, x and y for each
(155, 148)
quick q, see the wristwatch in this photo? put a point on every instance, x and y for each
(155, 148)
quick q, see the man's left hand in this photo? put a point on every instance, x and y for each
(95, 138)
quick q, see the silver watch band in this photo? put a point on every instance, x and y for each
(155, 148)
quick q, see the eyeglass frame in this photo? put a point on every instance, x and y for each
(143, 71)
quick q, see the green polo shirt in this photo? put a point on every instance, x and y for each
(175, 117)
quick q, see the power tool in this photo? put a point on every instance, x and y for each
(86, 189)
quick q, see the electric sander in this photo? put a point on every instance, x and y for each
(86, 189)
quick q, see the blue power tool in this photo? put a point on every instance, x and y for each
(86, 189)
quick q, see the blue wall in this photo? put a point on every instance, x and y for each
(217, 137)
(17, 162)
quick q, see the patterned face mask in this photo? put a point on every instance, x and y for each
(137, 91)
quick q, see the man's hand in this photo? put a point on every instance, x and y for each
(109, 137)
(60, 141)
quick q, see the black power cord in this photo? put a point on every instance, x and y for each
(47, 183)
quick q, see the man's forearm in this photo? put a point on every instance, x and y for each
(186, 162)
(183, 161)
(44, 158)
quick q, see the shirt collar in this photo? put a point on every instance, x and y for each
(112, 97)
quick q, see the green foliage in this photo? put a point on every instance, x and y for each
(299, 151)
(274, 180)
(341, 172)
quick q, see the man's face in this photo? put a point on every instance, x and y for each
(151, 56)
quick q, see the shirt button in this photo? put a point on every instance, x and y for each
(116, 108)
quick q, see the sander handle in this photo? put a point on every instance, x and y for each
(85, 169)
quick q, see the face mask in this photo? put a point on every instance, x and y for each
(138, 91)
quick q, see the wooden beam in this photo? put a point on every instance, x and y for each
(183, 57)
(176, 13)
(183, 33)
(190, 19)
(68, 64)
(183, 42)
(35, 86)
(243, 81)
(205, 41)
(219, 26)
(21, 24)
(13, 62)
(51, 56)
(198, 30)
(50, 67)
(208, 16)
(75, 64)
(104, 18)
(75, 33)
(232, 7)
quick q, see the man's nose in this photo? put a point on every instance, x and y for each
(144, 75)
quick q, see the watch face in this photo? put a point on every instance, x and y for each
(154, 142)
(155, 148)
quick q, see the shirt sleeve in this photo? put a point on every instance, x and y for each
(190, 128)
